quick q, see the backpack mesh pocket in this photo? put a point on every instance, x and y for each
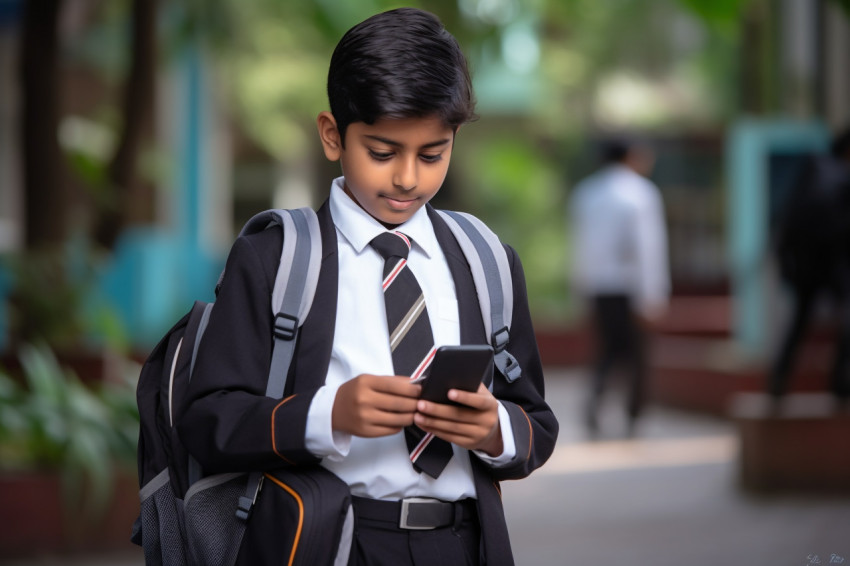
(213, 531)
(160, 524)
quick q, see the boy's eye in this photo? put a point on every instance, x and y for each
(380, 155)
(431, 158)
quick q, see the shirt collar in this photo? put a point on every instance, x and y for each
(358, 228)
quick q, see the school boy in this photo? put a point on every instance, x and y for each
(399, 89)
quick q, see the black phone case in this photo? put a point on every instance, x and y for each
(457, 367)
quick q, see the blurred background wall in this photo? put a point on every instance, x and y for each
(136, 137)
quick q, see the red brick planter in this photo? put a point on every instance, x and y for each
(36, 520)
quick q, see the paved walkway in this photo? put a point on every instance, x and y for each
(668, 497)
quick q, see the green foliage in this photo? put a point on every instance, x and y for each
(723, 14)
(844, 5)
(54, 422)
(516, 189)
(276, 64)
(46, 304)
(54, 299)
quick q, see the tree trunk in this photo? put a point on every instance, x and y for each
(46, 196)
(132, 201)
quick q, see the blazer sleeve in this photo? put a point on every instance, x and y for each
(534, 426)
(227, 422)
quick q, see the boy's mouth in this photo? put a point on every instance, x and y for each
(400, 203)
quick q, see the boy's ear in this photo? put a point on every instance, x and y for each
(329, 134)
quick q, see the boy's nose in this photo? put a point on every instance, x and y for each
(405, 175)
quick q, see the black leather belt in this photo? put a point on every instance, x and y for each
(415, 513)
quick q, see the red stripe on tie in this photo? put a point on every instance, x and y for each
(426, 363)
(421, 446)
(393, 274)
(403, 237)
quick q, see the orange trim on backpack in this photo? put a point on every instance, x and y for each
(274, 445)
(298, 500)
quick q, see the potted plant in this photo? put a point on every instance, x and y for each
(53, 298)
(66, 455)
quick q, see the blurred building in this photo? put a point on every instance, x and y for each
(720, 188)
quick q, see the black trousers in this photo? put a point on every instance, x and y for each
(620, 343)
(381, 542)
(806, 297)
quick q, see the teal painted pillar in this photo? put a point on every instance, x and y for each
(191, 179)
(750, 145)
(158, 271)
(197, 267)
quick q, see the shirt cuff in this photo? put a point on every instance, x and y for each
(508, 444)
(321, 440)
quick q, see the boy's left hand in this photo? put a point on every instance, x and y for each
(474, 426)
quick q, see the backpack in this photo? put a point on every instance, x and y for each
(188, 519)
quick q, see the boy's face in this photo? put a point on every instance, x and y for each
(392, 167)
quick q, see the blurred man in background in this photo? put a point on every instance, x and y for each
(813, 251)
(621, 267)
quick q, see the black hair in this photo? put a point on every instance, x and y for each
(399, 64)
(614, 150)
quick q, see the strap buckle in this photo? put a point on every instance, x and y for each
(500, 339)
(246, 503)
(285, 326)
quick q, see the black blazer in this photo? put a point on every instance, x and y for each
(229, 425)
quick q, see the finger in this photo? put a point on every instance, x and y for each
(475, 400)
(395, 385)
(371, 423)
(464, 435)
(443, 411)
(461, 422)
(392, 403)
(471, 410)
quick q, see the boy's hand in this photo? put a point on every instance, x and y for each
(475, 426)
(375, 405)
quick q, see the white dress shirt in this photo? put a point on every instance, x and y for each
(620, 238)
(380, 468)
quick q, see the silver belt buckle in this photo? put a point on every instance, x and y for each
(405, 511)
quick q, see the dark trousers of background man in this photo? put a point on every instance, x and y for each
(620, 345)
(806, 300)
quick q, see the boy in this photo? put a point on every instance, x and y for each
(399, 90)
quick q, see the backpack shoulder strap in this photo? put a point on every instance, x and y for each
(295, 284)
(292, 297)
(491, 273)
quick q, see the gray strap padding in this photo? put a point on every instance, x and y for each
(202, 327)
(292, 296)
(195, 471)
(300, 262)
(294, 289)
(153, 486)
(491, 273)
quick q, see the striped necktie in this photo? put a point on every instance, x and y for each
(411, 342)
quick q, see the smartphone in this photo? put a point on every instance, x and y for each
(457, 367)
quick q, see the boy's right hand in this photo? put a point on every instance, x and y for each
(375, 405)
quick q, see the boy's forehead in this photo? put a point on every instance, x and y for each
(428, 128)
